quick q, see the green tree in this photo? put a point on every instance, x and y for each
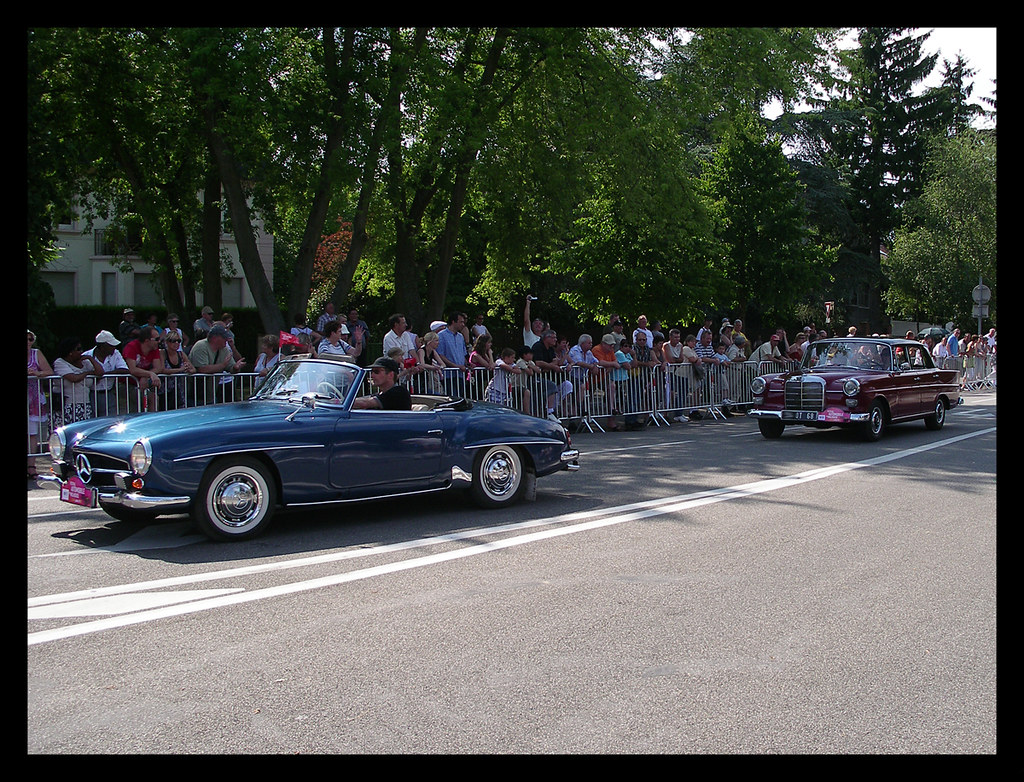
(862, 149)
(591, 200)
(883, 150)
(52, 165)
(948, 239)
(769, 259)
(606, 142)
(116, 101)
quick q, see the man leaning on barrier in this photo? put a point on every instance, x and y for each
(105, 351)
(212, 356)
(544, 358)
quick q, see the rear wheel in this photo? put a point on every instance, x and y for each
(236, 499)
(497, 477)
(938, 417)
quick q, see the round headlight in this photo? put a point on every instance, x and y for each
(141, 457)
(758, 385)
(57, 445)
(851, 387)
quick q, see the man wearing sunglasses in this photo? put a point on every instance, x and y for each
(390, 395)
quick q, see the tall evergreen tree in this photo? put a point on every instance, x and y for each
(883, 148)
(872, 132)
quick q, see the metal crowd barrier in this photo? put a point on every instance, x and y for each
(977, 373)
(120, 394)
(581, 397)
(577, 396)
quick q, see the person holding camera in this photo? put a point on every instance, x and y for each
(533, 328)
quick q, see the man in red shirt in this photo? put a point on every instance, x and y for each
(142, 356)
(604, 352)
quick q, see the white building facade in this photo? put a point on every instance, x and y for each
(87, 273)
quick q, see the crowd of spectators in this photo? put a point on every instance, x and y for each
(446, 358)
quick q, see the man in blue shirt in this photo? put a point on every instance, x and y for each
(953, 343)
(451, 348)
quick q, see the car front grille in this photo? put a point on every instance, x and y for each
(806, 392)
(95, 469)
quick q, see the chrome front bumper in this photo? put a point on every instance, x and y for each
(855, 418)
(123, 496)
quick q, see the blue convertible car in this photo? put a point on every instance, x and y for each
(298, 442)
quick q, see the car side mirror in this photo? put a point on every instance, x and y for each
(308, 400)
(904, 367)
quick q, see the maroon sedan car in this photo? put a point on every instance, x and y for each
(864, 382)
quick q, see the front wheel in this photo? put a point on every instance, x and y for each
(874, 427)
(497, 477)
(236, 499)
(770, 427)
(938, 417)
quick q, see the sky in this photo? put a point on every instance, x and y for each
(976, 44)
(978, 47)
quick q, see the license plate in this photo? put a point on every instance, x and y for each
(800, 415)
(77, 493)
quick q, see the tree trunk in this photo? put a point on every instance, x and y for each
(298, 297)
(248, 253)
(210, 243)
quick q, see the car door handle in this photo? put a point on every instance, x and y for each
(438, 432)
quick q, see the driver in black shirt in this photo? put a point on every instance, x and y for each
(390, 395)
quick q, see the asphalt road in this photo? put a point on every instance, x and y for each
(692, 589)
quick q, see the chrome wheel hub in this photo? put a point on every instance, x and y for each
(500, 475)
(237, 500)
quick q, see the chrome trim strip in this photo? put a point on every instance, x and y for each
(368, 499)
(247, 449)
(544, 441)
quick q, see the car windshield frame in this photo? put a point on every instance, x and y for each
(293, 380)
(849, 354)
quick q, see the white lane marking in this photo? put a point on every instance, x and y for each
(668, 444)
(622, 514)
(122, 604)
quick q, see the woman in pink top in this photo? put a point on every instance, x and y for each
(38, 367)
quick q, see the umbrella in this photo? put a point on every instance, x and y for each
(935, 332)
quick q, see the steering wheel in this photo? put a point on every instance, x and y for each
(331, 388)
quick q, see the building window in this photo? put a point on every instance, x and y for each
(108, 288)
(860, 295)
(231, 292)
(145, 290)
(63, 284)
(115, 242)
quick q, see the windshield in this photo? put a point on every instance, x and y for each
(839, 353)
(330, 380)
